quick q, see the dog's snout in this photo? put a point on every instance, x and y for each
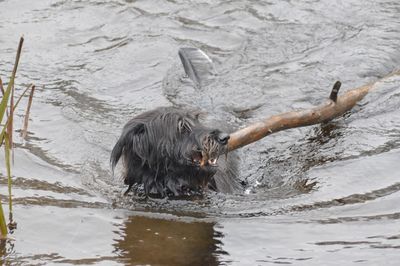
(223, 138)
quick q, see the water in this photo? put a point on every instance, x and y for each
(97, 63)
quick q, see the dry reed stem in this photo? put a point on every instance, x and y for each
(24, 131)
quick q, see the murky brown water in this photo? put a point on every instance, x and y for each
(97, 63)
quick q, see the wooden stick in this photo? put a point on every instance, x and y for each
(334, 107)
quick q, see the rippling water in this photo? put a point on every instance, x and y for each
(97, 63)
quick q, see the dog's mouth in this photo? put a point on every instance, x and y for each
(208, 150)
(202, 159)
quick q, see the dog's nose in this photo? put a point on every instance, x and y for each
(223, 138)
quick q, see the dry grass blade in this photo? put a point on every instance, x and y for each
(10, 124)
(1, 87)
(6, 135)
(24, 131)
(22, 95)
(19, 50)
(3, 224)
(11, 117)
(5, 98)
(3, 93)
(7, 151)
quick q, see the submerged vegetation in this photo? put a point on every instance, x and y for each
(8, 106)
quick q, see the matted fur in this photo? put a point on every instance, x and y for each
(159, 149)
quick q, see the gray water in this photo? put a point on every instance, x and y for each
(97, 63)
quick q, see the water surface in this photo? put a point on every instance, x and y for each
(97, 63)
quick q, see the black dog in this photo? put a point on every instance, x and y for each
(168, 152)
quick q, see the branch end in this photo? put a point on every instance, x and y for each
(335, 91)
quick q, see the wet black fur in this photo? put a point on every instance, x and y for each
(156, 148)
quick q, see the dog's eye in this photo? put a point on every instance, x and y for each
(184, 126)
(223, 138)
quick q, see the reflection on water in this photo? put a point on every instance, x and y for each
(322, 195)
(168, 242)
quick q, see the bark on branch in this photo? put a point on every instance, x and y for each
(334, 107)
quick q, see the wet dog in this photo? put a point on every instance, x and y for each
(169, 152)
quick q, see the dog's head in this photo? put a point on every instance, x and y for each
(169, 148)
(186, 142)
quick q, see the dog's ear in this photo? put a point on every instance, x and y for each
(135, 134)
(138, 129)
(184, 125)
(130, 135)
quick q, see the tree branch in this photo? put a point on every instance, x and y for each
(334, 107)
